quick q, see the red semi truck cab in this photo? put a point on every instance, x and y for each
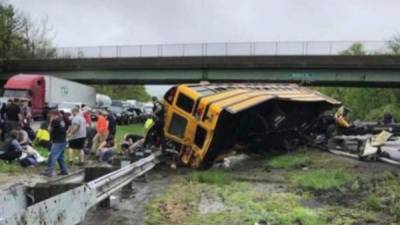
(30, 87)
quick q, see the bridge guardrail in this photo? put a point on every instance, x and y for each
(220, 49)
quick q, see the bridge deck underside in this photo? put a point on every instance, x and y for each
(310, 70)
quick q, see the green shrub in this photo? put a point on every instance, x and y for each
(307, 216)
(6, 167)
(373, 203)
(217, 177)
(395, 210)
(377, 114)
(290, 161)
(321, 179)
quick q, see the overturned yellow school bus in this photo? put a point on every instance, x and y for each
(204, 121)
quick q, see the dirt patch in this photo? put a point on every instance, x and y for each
(8, 180)
(339, 198)
(128, 206)
(210, 202)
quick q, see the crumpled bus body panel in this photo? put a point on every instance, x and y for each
(207, 120)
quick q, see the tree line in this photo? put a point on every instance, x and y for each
(369, 104)
(23, 38)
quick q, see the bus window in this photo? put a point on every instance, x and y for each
(185, 103)
(201, 135)
(177, 126)
(170, 95)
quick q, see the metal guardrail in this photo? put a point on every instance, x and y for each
(69, 207)
(222, 49)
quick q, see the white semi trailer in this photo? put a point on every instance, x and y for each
(42, 89)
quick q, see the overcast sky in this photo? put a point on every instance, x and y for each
(130, 22)
(126, 22)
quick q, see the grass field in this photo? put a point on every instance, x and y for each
(303, 187)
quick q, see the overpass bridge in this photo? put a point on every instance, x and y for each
(298, 62)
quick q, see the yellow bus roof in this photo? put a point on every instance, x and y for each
(237, 97)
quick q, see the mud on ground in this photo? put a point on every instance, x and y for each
(304, 187)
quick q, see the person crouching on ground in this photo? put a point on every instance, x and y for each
(58, 135)
(42, 137)
(76, 136)
(23, 138)
(129, 141)
(106, 150)
(12, 149)
(101, 129)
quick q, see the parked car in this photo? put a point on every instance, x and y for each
(147, 110)
(123, 116)
(138, 116)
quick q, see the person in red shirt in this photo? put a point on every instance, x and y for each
(101, 130)
(86, 114)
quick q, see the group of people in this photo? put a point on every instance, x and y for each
(79, 133)
(16, 133)
(74, 132)
(60, 131)
(16, 112)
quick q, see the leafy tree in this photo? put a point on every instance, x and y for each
(355, 49)
(22, 38)
(368, 103)
(123, 92)
(394, 45)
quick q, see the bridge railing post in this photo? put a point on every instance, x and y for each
(160, 50)
(116, 51)
(276, 48)
(305, 47)
(330, 47)
(183, 49)
(204, 49)
(80, 53)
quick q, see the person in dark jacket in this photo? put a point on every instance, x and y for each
(12, 149)
(3, 111)
(112, 124)
(65, 118)
(58, 133)
(13, 116)
(388, 118)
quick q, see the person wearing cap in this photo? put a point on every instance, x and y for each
(101, 129)
(76, 136)
(58, 133)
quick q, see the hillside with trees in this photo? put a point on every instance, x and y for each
(368, 103)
